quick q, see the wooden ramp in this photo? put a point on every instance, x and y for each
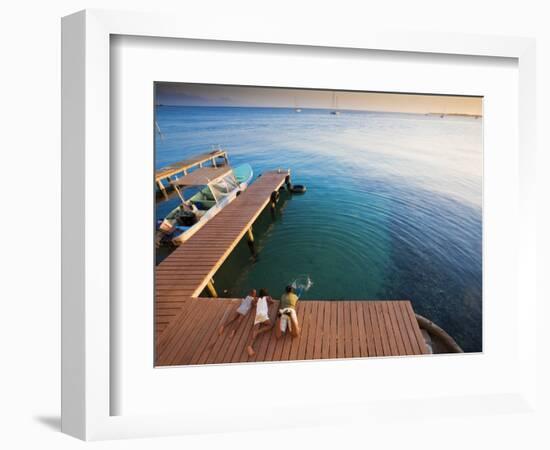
(330, 329)
(187, 271)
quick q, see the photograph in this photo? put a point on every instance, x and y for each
(298, 224)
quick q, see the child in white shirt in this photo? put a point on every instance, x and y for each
(242, 311)
(262, 322)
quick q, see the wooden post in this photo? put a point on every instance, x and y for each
(179, 193)
(161, 187)
(274, 198)
(250, 238)
(211, 288)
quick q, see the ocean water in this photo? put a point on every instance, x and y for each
(393, 208)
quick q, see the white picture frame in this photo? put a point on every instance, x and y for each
(86, 246)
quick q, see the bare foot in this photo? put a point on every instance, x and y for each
(231, 334)
(220, 332)
(250, 351)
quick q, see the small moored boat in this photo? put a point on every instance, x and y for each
(203, 194)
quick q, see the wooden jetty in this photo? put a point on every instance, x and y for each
(190, 268)
(330, 329)
(182, 167)
(186, 325)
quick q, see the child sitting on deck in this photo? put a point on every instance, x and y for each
(242, 311)
(262, 323)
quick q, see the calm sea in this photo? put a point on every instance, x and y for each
(393, 208)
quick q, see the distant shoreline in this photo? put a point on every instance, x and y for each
(453, 114)
(292, 108)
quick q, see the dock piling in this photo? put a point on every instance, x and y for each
(273, 199)
(211, 288)
(250, 240)
(162, 188)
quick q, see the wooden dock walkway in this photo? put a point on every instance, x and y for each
(186, 326)
(189, 269)
(330, 329)
(181, 167)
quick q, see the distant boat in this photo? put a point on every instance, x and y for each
(334, 105)
(296, 109)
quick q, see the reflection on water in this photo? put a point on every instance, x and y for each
(392, 209)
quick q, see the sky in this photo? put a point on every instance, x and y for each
(221, 95)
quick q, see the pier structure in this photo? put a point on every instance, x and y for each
(167, 173)
(330, 329)
(186, 324)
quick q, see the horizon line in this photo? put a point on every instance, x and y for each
(321, 108)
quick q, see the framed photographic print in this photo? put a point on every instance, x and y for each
(249, 208)
(394, 213)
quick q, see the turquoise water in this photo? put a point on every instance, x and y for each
(393, 208)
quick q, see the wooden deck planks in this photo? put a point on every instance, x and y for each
(329, 329)
(361, 330)
(212, 333)
(318, 349)
(340, 344)
(180, 166)
(333, 338)
(415, 329)
(351, 330)
(312, 331)
(182, 340)
(302, 342)
(389, 328)
(395, 328)
(295, 343)
(326, 331)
